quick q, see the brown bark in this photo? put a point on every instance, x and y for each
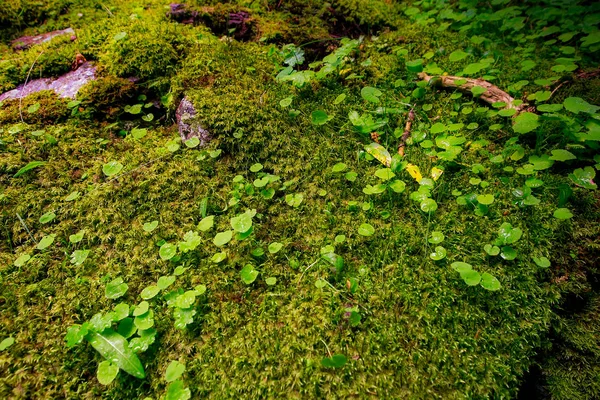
(492, 95)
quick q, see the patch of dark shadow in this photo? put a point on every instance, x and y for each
(339, 25)
(573, 303)
(533, 385)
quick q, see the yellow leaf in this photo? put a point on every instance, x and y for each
(414, 171)
(380, 153)
(436, 173)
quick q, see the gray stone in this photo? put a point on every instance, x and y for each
(188, 124)
(65, 86)
(26, 42)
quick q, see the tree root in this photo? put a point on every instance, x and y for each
(492, 95)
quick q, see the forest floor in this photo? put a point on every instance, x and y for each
(282, 247)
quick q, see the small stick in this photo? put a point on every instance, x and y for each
(556, 88)
(406, 133)
(23, 88)
(26, 228)
(327, 347)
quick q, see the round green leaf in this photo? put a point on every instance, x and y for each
(275, 247)
(165, 281)
(241, 223)
(206, 223)
(73, 196)
(174, 371)
(339, 167)
(397, 186)
(526, 122)
(6, 343)
(490, 282)
(491, 250)
(471, 277)
(438, 254)
(508, 253)
(115, 289)
(21, 260)
(112, 168)
(428, 205)
(167, 251)
(149, 292)
(366, 230)
(457, 55)
(256, 167)
(222, 238)
(436, 237)
(485, 199)
(218, 257)
(541, 262)
(319, 117)
(371, 94)
(107, 372)
(461, 267)
(271, 281)
(49, 216)
(45, 242)
(577, 105)
(248, 274)
(150, 226)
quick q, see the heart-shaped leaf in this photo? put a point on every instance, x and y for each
(541, 262)
(150, 226)
(149, 292)
(436, 237)
(275, 247)
(438, 254)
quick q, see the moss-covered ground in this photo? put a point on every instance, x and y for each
(409, 326)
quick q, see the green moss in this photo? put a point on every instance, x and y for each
(423, 332)
(49, 109)
(105, 97)
(149, 48)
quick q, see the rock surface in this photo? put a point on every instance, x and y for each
(66, 85)
(188, 125)
(26, 42)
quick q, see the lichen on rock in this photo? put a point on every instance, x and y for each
(188, 124)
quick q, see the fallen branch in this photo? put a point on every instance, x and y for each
(492, 95)
(406, 133)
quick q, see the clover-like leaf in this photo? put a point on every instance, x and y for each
(112, 168)
(438, 254)
(541, 262)
(150, 226)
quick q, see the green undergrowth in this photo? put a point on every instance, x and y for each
(284, 260)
